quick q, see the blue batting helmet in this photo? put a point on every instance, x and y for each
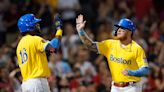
(27, 23)
(127, 24)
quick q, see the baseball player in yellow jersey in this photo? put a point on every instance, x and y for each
(31, 53)
(126, 59)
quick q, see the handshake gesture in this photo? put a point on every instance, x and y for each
(80, 23)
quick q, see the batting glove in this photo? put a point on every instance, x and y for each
(58, 21)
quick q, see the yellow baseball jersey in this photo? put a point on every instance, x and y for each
(131, 57)
(32, 58)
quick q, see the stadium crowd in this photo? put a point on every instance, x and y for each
(74, 68)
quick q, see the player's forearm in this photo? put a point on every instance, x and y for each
(140, 72)
(87, 41)
(54, 44)
(84, 38)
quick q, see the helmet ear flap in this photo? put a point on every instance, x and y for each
(126, 24)
(115, 32)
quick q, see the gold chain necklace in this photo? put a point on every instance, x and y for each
(125, 47)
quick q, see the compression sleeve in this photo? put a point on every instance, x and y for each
(140, 72)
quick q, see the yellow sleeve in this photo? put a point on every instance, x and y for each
(141, 58)
(40, 43)
(104, 47)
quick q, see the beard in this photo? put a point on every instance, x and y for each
(122, 38)
(38, 31)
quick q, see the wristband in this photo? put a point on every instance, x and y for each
(59, 32)
(81, 32)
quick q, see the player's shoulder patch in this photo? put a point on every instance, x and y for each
(38, 38)
(44, 41)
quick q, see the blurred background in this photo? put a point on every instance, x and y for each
(74, 68)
